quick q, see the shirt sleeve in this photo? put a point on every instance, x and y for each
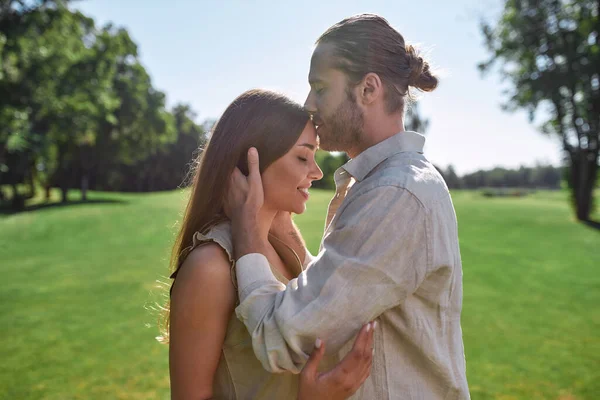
(308, 258)
(375, 255)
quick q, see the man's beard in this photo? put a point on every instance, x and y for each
(344, 128)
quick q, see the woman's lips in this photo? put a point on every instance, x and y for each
(304, 192)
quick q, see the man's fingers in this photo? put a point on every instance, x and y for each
(255, 188)
(237, 178)
(312, 365)
(253, 162)
(237, 190)
(238, 185)
(237, 174)
(254, 178)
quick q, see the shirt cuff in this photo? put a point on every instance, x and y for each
(252, 271)
(308, 258)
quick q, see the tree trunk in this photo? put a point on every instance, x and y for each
(583, 178)
(84, 186)
(31, 179)
(17, 201)
(15, 190)
(64, 189)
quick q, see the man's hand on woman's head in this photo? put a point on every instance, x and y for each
(242, 203)
(245, 193)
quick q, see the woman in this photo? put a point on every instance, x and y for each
(211, 352)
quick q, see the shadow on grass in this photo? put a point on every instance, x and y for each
(6, 209)
(593, 224)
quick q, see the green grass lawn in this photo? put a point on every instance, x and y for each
(80, 284)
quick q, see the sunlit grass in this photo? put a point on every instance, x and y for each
(79, 285)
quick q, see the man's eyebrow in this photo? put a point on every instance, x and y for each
(314, 81)
(310, 146)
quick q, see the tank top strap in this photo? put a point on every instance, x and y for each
(219, 234)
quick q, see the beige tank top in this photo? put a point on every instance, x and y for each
(239, 374)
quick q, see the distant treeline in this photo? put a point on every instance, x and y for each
(540, 176)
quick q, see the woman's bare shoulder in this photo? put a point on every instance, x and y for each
(206, 267)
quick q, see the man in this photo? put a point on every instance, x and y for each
(390, 250)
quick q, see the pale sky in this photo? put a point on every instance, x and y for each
(206, 53)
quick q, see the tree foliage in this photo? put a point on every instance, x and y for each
(549, 52)
(78, 109)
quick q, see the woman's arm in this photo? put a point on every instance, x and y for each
(343, 380)
(202, 302)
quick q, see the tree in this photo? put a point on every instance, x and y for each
(329, 163)
(54, 87)
(166, 167)
(191, 138)
(414, 121)
(74, 99)
(130, 120)
(549, 50)
(451, 178)
(27, 67)
(83, 99)
(546, 176)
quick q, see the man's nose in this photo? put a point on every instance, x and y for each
(309, 104)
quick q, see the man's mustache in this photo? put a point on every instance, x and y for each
(316, 119)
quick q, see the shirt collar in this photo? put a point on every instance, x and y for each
(407, 141)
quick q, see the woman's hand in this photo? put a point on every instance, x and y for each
(346, 377)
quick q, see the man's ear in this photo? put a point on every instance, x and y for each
(371, 88)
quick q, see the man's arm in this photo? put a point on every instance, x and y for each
(375, 256)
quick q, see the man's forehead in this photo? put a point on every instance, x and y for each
(321, 61)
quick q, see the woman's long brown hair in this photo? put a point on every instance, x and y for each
(257, 118)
